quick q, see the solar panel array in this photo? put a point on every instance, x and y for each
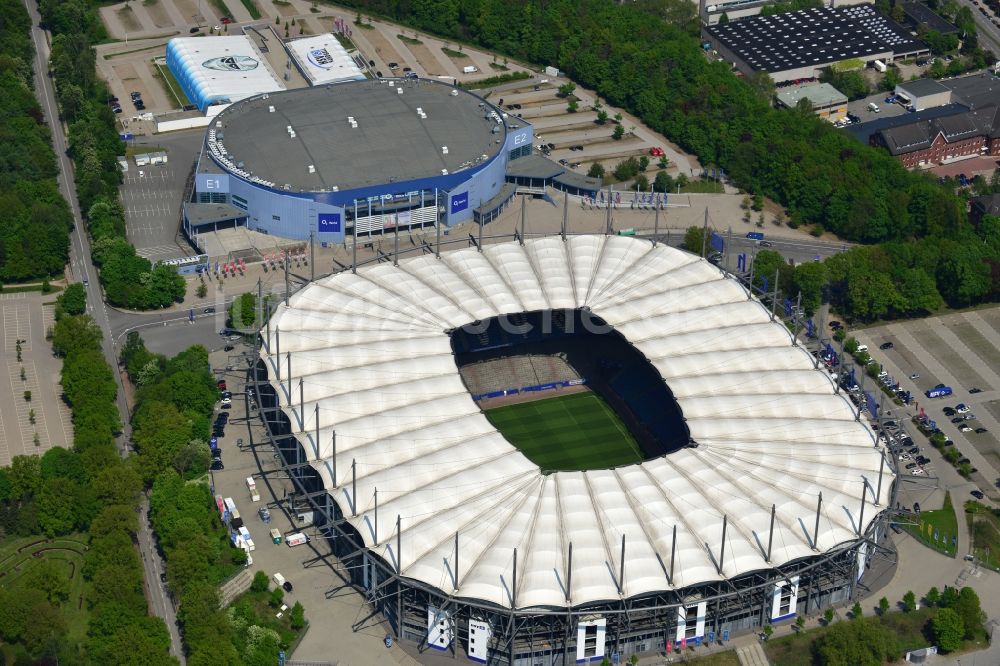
(813, 37)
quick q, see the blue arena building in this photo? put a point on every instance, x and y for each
(358, 158)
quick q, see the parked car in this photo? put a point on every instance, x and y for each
(964, 428)
(975, 390)
(885, 345)
(958, 419)
(980, 431)
(961, 408)
(228, 348)
(217, 465)
(978, 494)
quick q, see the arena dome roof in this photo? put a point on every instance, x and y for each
(373, 352)
(402, 130)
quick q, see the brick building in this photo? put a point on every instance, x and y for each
(942, 140)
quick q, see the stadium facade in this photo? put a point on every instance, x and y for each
(359, 158)
(774, 508)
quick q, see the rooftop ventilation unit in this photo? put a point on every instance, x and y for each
(334, 189)
(399, 90)
(444, 172)
(454, 93)
(292, 134)
(444, 150)
(270, 109)
(312, 169)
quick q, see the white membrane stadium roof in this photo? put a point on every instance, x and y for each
(374, 355)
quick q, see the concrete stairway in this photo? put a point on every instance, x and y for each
(752, 655)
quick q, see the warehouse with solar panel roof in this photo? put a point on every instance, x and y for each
(556, 449)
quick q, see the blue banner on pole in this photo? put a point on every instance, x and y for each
(871, 404)
(764, 283)
(718, 243)
(788, 308)
(810, 332)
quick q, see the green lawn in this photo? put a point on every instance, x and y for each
(985, 529)
(937, 528)
(572, 432)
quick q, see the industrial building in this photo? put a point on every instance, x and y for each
(955, 119)
(712, 11)
(798, 45)
(923, 94)
(774, 508)
(827, 102)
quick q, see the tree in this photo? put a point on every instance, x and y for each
(566, 89)
(663, 182)
(800, 622)
(828, 616)
(277, 597)
(909, 601)
(641, 182)
(297, 617)
(948, 629)
(857, 612)
(602, 117)
(260, 582)
(724, 18)
(73, 301)
(202, 290)
(596, 170)
(897, 13)
(969, 609)
(572, 106)
(861, 643)
(809, 279)
(883, 606)
(694, 239)
(618, 133)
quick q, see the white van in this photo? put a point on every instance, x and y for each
(873, 107)
(862, 348)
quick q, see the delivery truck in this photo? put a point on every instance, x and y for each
(469, 69)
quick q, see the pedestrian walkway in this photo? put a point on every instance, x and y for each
(752, 655)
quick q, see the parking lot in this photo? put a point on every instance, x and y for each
(34, 424)
(958, 351)
(152, 194)
(860, 108)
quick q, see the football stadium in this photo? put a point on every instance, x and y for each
(556, 449)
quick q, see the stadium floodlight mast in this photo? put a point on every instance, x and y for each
(819, 506)
(656, 225)
(704, 235)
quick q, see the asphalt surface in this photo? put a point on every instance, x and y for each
(989, 34)
(83, 270)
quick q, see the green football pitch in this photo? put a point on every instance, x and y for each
(571, 432)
